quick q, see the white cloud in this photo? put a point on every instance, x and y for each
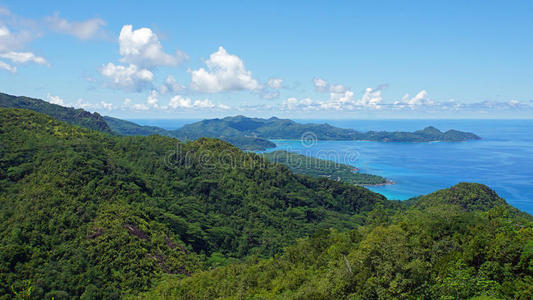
(203, 103)
(8, 67)
(320, 84)
(418, 101)
(140, 107)
(171, 85)
(10, 43)
(82, 104)
(179, 101)
(371, 98)
(340, 99)
(129, 78)
(127, 101)
(143, 48)
(55, 100)
(339, 88)
(223, 106)
(293, 103)
(24, 57)
(152, 99)
(225, 72)
(275, 83)
(106, 105)
(84, 30)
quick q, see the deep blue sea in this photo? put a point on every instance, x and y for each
(503, 159)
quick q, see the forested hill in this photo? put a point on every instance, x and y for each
(464, 242)
(96, 216)
(70, 115)
(84, 213)
(275, 128)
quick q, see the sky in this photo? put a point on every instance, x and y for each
(296, 59)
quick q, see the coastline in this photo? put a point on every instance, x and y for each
(388, 182)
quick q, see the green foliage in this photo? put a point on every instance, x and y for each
(439, 252)
(469, 196)
(87, 214)
(306, 165)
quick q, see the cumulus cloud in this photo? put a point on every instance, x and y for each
(320, 84)
(340, 99)
(179, 101)
(143, 48)
(225, 72)
(152, 99)
(171, 85)
(130, 78)
(55, 100)
(83, 30)
(143, 52)
(275, 83)
(372, 98)
(419, 100)
(293, 103)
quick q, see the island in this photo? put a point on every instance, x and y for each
(275, 128)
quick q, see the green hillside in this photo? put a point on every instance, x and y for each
(441, 251)
(88, 214)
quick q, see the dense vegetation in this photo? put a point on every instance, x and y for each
(89, 215)
(70, 115)
(306, 165)
(444, 249)
(83, 213)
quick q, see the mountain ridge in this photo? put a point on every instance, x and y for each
(244, 132)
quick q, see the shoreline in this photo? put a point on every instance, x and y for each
(389, 182)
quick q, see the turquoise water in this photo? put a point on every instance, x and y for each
(503, 159)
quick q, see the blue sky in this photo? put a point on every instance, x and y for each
(302, 59)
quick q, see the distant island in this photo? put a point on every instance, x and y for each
(306, 165)
(243, 132)
(275, 128)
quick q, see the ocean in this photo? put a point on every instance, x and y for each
(503, 159)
